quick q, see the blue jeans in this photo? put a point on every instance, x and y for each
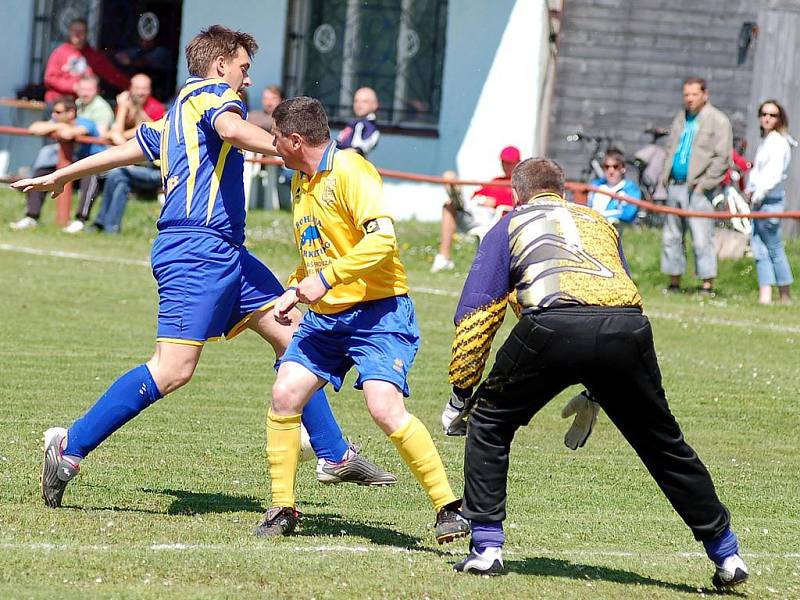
(119, 183)
(673, 252)
(772, 266)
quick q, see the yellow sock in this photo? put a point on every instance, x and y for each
(416, 447)
(283, 450)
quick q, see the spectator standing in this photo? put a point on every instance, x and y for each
(75, 58)
(766, 191)
(361, 134)
(486, 204)
(65, 125)
(699, 152)
(613, 181)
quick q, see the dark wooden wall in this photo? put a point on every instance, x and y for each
(621, 64)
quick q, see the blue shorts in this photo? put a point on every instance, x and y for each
(207, 287)
(380, 338)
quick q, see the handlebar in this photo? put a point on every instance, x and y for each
(580, 136)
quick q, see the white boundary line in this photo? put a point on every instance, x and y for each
(344, 549)
(667, 316)
(74, 255)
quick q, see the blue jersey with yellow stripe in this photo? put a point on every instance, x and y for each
(202, 174)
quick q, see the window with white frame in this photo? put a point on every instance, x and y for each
(395, 47)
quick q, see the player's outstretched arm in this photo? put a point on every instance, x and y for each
(129, 153)
(233, 129)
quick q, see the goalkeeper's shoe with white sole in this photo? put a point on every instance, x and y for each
(56, 470)
(278, 521)
(488, 562)
(353, 469)
(450, 524)
(730, 573)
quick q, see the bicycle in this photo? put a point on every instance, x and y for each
(649, 163)
(598, 146)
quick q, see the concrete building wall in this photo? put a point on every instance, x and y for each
(15, 44)
(265, 19)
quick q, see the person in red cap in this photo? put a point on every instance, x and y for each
(479, 213)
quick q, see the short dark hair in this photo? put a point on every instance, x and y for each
(213, 42)
(695, 81)
(305, 116)
(615, 154)
(67, 102)
(80, 20)
(536, 175)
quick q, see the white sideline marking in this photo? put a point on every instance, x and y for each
(74, 255)
(342, 549)
(667, 316)
(725, 322)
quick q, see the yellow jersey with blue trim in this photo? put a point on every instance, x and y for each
(202, 174)
(344, 232)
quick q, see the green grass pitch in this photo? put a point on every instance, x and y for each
(165, 508)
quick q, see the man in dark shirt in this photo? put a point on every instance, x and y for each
(361, 134)
(581, 323)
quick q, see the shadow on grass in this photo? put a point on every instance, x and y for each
(192, 503)
(329, 524)
(555, 567)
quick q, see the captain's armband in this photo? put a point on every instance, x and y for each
(381, 224)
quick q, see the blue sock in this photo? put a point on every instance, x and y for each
(324, 432)
(127, 397)
(487, 534)
(326, 436)
(722, 547)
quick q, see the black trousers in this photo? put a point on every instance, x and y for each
(610, 351)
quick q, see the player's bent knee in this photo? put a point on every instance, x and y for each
(389, 416)
(286, 398)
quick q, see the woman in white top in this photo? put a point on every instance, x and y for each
(766, 192)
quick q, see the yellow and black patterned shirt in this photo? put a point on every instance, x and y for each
(550, 253)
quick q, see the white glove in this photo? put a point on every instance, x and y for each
(585, 410)
(452, 417)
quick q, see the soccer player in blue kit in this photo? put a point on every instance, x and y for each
(209, 285)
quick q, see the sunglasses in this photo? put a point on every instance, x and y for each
(766, 114)
(616, 166)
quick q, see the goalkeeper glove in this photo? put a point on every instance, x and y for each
(585, 410)
(454, 415)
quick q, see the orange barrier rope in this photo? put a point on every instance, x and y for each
(573, 186)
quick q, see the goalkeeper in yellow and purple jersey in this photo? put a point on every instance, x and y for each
(581, 323)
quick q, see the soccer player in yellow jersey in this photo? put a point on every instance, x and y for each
(360, 314)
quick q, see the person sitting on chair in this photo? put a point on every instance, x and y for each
(613, 180)
(478, 213)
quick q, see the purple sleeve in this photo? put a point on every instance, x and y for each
(489, 278)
